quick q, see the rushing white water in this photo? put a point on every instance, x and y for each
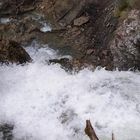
(46, 103)
(45, 27)
(4, 20)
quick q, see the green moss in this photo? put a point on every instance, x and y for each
(123, 6)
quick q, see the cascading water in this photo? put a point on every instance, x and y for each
(44, 102)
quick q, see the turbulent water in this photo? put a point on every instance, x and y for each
(44, 102)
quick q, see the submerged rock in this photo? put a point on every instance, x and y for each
(81, 42)
(70, 65)
(6, 130)
(11, 51)
(65, 63)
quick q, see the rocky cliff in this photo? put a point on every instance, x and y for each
(96, 32)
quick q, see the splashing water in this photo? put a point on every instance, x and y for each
(46, 103)
(4, 20)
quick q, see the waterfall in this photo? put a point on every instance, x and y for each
(44, 102)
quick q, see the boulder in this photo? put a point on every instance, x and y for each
(12, 52)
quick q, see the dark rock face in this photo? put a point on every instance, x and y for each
(125, 46)
(11, 51)
(87, 30)
(6, 130)
(12, 7)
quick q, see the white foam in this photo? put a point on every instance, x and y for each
(46, 103)
(5, 20)
(45, 28)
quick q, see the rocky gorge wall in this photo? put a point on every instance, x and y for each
(94, 32)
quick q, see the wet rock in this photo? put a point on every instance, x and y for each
(72, 64)
(125, 46)
(6, 130)
(64, 62)
(90, 42)
(81, 20)
(12, 52)
(14, 7)
(20, 29)
(63, 12)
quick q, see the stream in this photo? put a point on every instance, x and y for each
(44, 102)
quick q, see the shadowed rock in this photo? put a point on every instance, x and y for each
(11, 51)
(6, 130)
(13, 7)
(64, 62)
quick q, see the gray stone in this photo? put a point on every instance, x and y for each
(81, 20)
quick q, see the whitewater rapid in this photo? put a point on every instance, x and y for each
(44, 102)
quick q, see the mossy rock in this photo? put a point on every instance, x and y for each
(124, 6)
